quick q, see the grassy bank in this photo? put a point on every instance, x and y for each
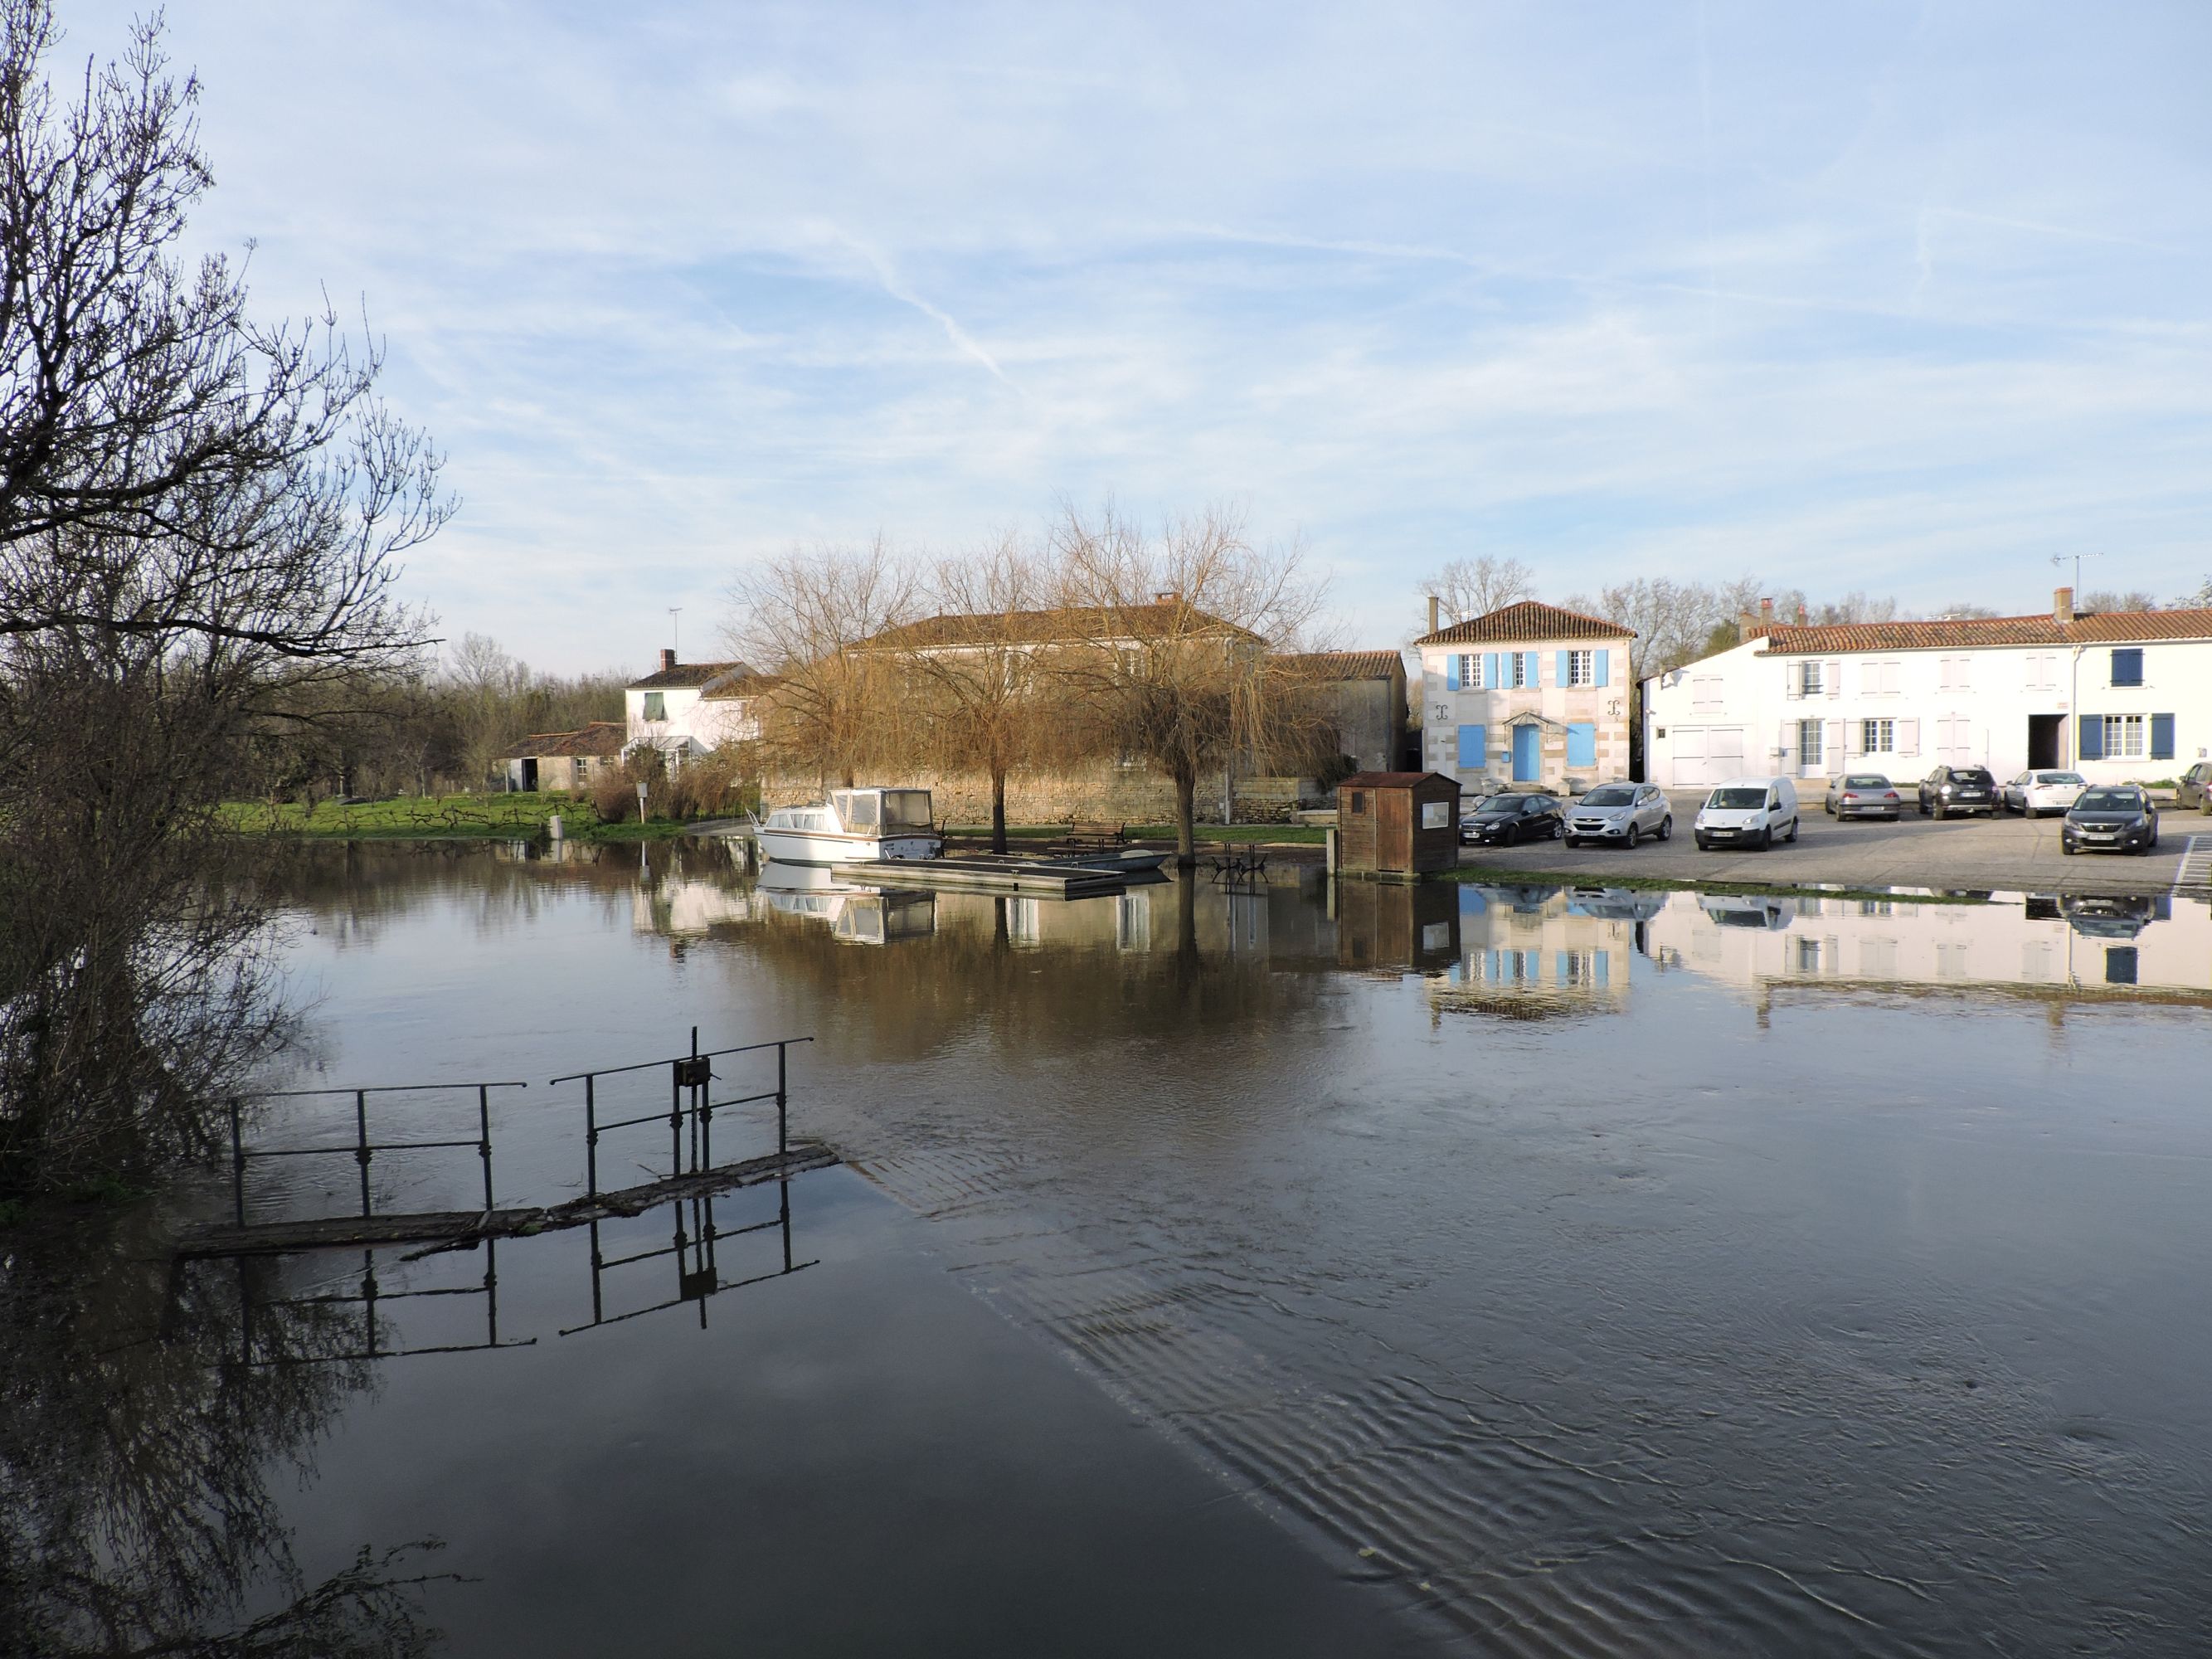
(438, 817)
(1493, 876)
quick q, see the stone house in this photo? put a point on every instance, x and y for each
(1528, 694)
(564, 760)
(1367, 694)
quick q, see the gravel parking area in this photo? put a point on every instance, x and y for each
(1968, 855)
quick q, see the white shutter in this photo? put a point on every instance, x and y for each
(1793, 681)
(1832, 750)
(1785, 747)
(1908, 737)
(1835, 677)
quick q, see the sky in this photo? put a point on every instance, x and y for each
(1905, 298)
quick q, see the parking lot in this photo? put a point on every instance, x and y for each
(1971, 854)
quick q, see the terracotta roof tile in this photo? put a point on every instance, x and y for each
(1530, 619)
(599, 738)
(1345, 664)
(2099, 628)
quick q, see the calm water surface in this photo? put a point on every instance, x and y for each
(1550, 1272)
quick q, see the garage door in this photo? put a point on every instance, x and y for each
(1707, 754)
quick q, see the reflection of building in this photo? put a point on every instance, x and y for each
(2073, 948)
(1537, 951)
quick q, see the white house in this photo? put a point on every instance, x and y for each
(2116, 695)
(686, 709)
(1530, 694)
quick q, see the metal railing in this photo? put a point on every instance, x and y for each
(363, 1149)
(691, 1105)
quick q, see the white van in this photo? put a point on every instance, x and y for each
(1748, 812)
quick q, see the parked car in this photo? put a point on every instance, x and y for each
(1950, 789)
(2195, 788)
(1622, 812)
(2118, 819)
(1748, 812)
(1505, 820)
(2033, 793)
(1863, 795)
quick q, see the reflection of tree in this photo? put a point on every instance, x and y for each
(134, 1515)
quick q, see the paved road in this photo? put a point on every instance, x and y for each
(1971, 854)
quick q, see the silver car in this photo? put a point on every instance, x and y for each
(1863, 795)
(1623, 813)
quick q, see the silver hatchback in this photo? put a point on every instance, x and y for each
(1622, 813)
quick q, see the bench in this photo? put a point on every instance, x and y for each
(1092, 837)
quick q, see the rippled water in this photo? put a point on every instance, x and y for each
(1604, 1272)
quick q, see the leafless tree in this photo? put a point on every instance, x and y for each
(1474, 588)
(1965, 610)
(977, 681)
(200, 521)
(804, 619)
(2104, 598)
(1172, 629)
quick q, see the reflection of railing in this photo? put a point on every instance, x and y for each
(691, 1105)
(698, 1273)
(363, 1149)
(371, 1297)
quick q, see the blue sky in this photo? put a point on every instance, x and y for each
(1900, 297)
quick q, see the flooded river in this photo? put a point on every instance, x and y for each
(1488, 1270)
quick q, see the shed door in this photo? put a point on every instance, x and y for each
(1707, 754)
(1394, 828)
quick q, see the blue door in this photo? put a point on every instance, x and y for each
(1525, 768)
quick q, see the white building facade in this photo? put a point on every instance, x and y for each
(2119, 697)
(685, 710)
(1529, 695)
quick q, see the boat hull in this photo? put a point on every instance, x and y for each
(826, 847)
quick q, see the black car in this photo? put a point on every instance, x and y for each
(1504, 820)
(1950, 789)
(2115, 819)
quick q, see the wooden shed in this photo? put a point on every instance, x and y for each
(1397, 823)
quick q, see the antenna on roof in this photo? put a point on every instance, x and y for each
(675, 629)
(2057, 559)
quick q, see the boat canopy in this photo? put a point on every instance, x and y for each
(886, 810)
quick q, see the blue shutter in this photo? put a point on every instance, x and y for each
(1582, 744)
(1474, 746)
(2092, 737)
(1490, 670)
(2126, 666)
(1451, 672)
(1603, 965)
(1562, 673)
(2161, 737)
(1534, 674)
(1604, 665)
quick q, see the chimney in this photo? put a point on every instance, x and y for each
(1436, 606)
(1746, 624)
(1767, 613)
(667, 659)
(1802, 619)
(1167, 597)
(2061, 605)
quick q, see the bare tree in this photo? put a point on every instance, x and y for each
(2104, 598)
(1474, 588)
(804, 619)
(1965, 611)
(978, 678)
(1170, 630)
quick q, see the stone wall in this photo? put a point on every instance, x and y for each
(1102, 794)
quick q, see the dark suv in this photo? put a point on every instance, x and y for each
(1950, 789)
(2195, 788)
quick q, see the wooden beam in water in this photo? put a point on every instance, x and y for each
(464, 1227)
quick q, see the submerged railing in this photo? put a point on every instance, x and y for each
(362, 1149)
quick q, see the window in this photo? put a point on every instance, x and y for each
(1359, 800)
(1470, 672)
(1435, 815)
(1519, 668)
(656, 705)
(2123, 737)
(1582, 667)
(1808, 679)
(1808, 955)
(1808, 743)
(2120, 964)
(2126, 666)
(1878, 736)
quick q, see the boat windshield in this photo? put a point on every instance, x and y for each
(906, 809)
(858, 809)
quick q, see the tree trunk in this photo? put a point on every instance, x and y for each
(998, 809)
(1186, 822)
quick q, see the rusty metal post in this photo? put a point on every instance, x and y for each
(360, 1142)
(782, 1134)
(483, 1145)
(590, 1147)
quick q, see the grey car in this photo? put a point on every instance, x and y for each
(2195, 788)
(1863, 795)
(1622, 813)
(2120, 819)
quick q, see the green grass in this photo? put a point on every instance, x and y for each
(438, 817)
(1494, 876)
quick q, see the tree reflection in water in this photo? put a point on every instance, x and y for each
(136, 1518)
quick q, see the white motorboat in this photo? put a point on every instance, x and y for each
(853, 826)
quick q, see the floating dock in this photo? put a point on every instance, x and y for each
(1006, 873)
